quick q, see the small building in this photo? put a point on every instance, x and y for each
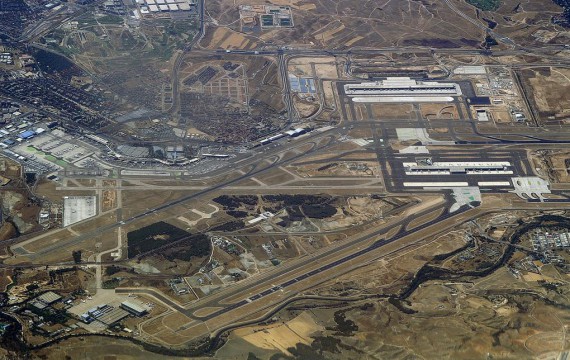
(133, 308)
(482, 115)
(86, 318)
(38, 304)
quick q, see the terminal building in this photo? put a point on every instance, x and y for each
(463, 167)
(402, 89)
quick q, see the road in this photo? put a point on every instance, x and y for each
(174, 108)
(500, 38)
(282, 62)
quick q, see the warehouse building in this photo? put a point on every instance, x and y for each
(45, 300)
(49, 298)
(112, 316)
(133, 308)
(106, 314)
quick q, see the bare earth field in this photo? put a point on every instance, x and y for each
(549, 88)
(341, 24)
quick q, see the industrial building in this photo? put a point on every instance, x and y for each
(265, 16)
(291, 133)
(163, 6)
(303, 85)
(133, 308)
(402, 89)
(27, 135)
(105, 314)
(49, 297)
(45, 300)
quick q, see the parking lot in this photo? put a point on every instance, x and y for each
(77, 208)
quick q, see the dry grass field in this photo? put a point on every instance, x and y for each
(344, 24)
(549, 88)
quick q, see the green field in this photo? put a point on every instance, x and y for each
(51, 158)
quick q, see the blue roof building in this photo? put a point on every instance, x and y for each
(27, 135)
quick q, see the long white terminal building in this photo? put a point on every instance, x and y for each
(463, 167)
(402, 89)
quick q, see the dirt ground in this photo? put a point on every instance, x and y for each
(358, 169)
(439, 111)
(554, 164)
(335, 24)
(549, 88)
(389, 111)
(90, 348)
(276, 337)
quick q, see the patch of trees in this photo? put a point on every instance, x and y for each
(490, 41)
(32, 287)
(295, 213)
(49, 314)
(345, 327)
(112, 270)
(111, 283)
(401, 305)
(229, 226)
(30, 178)
(485, 5)
(327, 166)
(196, 246)
(562, 19)
(76, 256)
(237, 213)
(297, 200)
(318, 211)
(235, 201)
(314, 211)
(152, 237)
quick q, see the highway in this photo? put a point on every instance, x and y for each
(180, 58)
(484, 28)
(282, 62)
